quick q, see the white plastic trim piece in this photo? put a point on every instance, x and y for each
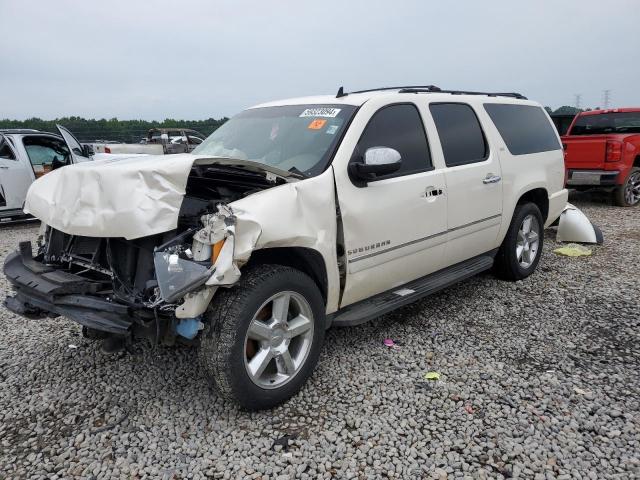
(574, 226)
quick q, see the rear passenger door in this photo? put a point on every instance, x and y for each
(395, 226)
(474, 181)
(15, 177)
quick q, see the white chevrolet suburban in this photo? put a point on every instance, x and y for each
(292, 217)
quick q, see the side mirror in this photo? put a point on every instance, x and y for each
(377, 161)
(87, 151)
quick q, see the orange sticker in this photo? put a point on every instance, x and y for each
(317, 124)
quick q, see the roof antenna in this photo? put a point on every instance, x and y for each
(341, 93)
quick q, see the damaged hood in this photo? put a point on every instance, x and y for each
(131, 197)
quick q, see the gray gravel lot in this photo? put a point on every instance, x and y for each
(539, 379)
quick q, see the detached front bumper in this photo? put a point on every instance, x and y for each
(592, 177)
(43, 291)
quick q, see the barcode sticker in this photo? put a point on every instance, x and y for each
(321, 112)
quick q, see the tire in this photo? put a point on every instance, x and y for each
(229, 352)
(628, 194)
(512, 261)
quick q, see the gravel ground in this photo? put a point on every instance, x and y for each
(539, 379)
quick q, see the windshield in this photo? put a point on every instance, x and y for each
(621, 122)
(294, 138)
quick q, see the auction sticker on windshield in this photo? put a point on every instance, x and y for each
(321, 112)
(317, 124)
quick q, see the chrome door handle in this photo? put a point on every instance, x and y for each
(490, 178)
(433, 192)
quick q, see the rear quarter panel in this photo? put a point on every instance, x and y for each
(523, 173)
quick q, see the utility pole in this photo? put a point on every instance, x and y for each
(606, 96)
(578, 101)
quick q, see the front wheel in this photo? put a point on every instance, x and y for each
(520, 251)
(264, 336)
(628, 194)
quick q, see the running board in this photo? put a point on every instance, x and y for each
(13, 214)
(385, 302)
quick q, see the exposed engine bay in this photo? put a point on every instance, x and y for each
(138, 247)
(150, 276)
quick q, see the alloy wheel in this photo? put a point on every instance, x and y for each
(632, 189)
(279, 339)
(528, 241)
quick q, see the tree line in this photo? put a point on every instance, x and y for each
(126, 131)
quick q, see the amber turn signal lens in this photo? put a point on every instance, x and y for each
(216, 250)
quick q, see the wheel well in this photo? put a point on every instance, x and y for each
(540, 198)
(306, 260)
(636, 162)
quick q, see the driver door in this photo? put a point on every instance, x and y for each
(394, 226)
(77, 152)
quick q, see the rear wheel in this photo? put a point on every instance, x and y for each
(520, 251)
(628, 194)
(264, 336)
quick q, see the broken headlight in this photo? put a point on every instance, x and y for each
(177, 273)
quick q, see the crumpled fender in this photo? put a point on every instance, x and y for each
(298, 214)
(574, 226)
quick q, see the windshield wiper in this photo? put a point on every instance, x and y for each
(297, 172)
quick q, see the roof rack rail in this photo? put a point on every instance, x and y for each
(19, 130)
(463, 92)
(431, 88)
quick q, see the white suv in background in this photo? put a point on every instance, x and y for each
(292, 217)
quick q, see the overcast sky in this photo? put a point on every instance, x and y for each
(200, 59)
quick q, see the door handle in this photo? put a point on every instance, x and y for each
(4, 167)
(433, 192)
(491, 178)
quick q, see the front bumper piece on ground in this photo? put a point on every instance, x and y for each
(44, 291)
(574, 226)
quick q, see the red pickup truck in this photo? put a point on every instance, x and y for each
(602, 147)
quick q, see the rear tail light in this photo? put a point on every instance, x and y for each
(107, 150)
(614, 151)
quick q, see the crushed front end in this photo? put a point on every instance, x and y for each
(156, 287)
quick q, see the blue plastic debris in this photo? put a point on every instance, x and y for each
(188, 327)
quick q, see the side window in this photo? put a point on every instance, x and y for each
(398, 127)
(524, 128)
(461, 136)
(5, 150)
(43, 151)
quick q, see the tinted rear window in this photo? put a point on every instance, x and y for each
(618, 122)
(460, 133)
(524, 128)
